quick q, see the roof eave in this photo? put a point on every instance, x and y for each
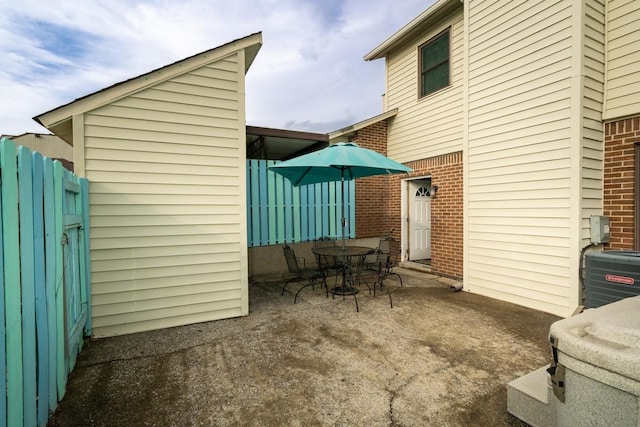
(433, 13)
(284, 133)
(347, 131)
(60, 116)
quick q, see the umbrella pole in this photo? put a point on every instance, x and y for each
(344, 220)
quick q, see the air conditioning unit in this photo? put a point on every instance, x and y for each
(611, 276)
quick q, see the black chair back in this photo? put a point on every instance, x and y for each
(292, 261)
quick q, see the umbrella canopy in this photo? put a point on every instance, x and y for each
(337, 162)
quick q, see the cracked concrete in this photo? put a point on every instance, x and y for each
(437, 358)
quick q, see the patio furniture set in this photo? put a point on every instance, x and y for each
(350, 266)
(342, 161)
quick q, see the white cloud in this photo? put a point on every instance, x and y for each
(309, 74)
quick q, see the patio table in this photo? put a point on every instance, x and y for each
(346, 254)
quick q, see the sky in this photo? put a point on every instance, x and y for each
(309, 75)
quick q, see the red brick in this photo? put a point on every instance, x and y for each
(375, 219)
(619, 180)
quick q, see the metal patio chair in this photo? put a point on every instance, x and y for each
(326, 264)
(384, 247)
(301, 274)
(378, 274)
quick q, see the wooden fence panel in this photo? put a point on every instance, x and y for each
(3, 335)
(11, 283)
(278, 212)
(40, 291)
(34, 358)
(50, 280)
(61, 362)
(27, 286)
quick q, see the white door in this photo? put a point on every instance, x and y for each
(419, 220)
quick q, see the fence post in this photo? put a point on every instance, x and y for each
(85, 253)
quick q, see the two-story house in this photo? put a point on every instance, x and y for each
(525, 116)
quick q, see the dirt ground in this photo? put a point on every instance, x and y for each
(437, 358)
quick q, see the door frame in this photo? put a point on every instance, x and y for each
(405, 210)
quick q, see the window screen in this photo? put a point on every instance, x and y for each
(434, 66)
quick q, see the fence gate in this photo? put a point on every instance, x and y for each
(76, 310)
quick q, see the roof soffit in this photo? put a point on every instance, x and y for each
(280, 144)
(250, 53)
(58, 116)
(429, 17)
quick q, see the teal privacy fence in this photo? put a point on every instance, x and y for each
(45, 295)
(278, 212)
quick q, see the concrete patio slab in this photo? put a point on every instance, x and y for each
(437, 358)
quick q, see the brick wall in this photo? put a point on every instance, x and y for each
(372, 194)
(619, 180)
(378, 202)
(446, 211)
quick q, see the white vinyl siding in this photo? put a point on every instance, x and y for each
(623, 59)
(593, 101)
(431, 125)
(519, 152)
(167, 202)
(526, 107)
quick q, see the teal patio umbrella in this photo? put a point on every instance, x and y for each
(338, 162)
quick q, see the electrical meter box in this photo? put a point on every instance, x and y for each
(599, 229)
